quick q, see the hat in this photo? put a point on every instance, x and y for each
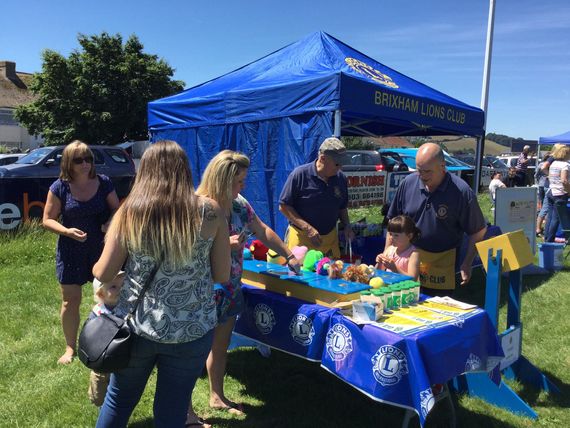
(333, 147)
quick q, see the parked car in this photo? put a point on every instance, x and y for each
(453, 165)
(7, 159)
(372, 160)
(25, 183)
(490, 165)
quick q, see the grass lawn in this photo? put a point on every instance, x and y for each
(279, 391)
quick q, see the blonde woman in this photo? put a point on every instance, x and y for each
(223, 180)
(559, 180)
(84, 201)
(164, 223)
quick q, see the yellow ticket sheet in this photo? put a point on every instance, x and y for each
(445, 309)
(397, 324)
(424, 315)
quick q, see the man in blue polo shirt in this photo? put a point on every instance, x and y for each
(444, 208)
(314, 198)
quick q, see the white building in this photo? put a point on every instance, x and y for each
(14, 92)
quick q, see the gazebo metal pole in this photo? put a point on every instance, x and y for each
(337, 120)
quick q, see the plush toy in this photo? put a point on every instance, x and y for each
(299, 252)
(354, 274)
(310, 260)
(376, 282)
(335, 269)
(247, 254)
(367, 270)
(273, 257)
(322, 267)
(258, 250)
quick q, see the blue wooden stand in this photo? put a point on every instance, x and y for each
(479, 384)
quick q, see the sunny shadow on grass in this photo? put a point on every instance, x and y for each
(279, 391)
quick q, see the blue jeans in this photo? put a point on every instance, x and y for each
(553, 221)
(178, 367)
(545, 205)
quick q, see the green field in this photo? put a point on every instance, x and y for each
(279, 391)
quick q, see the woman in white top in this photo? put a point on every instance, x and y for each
(559, 188)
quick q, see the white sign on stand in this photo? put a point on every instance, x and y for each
(515, 208)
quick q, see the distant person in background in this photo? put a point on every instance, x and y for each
(559, 189)
(541, 179)
(495, 183)
(521, 167)
(85, 202)
(510, 180)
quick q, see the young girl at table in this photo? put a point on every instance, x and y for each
(401, 256)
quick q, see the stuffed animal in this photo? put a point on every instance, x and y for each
(247, 254)
(335, 269)
(310, 260)
(273, 257)
(354, 274)
(299, 252)
(258, 250)
(322, 267)
(367, 270)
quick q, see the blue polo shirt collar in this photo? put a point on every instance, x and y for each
(442, 186)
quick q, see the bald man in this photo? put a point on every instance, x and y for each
(444, 208)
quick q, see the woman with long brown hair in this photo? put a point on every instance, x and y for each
(84, 201)
(164, 225)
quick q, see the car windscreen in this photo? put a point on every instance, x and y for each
(35, 156)
(409, 160)
(359, 158)
(496, 163)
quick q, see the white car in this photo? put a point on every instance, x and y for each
(490, 165)
(511, 161)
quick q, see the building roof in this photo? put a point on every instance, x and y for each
(14, 86)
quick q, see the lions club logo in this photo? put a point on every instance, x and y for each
(442, 212)
(339, 342)
(426, 401)
(370, 72)
(473, 363)
(302, 329)
(389, 364)
(264, 318)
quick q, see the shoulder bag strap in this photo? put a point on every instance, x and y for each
(145, 287)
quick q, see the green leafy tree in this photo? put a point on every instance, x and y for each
(99, 94)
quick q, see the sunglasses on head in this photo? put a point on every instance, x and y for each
(80, 160)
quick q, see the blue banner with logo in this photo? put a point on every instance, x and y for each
(285, 323)
(392, 368)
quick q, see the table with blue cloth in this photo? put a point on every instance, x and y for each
(389, 367)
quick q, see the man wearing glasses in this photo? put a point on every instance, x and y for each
(314, 198)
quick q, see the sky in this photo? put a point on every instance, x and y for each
(440, 43)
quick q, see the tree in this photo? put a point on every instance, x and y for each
(99, 94)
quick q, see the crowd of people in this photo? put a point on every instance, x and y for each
(188, 244)
(553, 186)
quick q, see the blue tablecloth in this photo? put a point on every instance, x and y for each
(388, 367)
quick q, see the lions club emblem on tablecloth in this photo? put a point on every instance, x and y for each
(302, 330)
(389, 364)
(264, 318)
(339, 342)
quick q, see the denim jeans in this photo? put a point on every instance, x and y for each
(553, 221)
(178, 367)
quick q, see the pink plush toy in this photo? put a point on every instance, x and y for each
(299, 252)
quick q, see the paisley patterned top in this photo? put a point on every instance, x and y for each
(179, 305)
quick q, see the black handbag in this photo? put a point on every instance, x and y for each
(105, 341)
